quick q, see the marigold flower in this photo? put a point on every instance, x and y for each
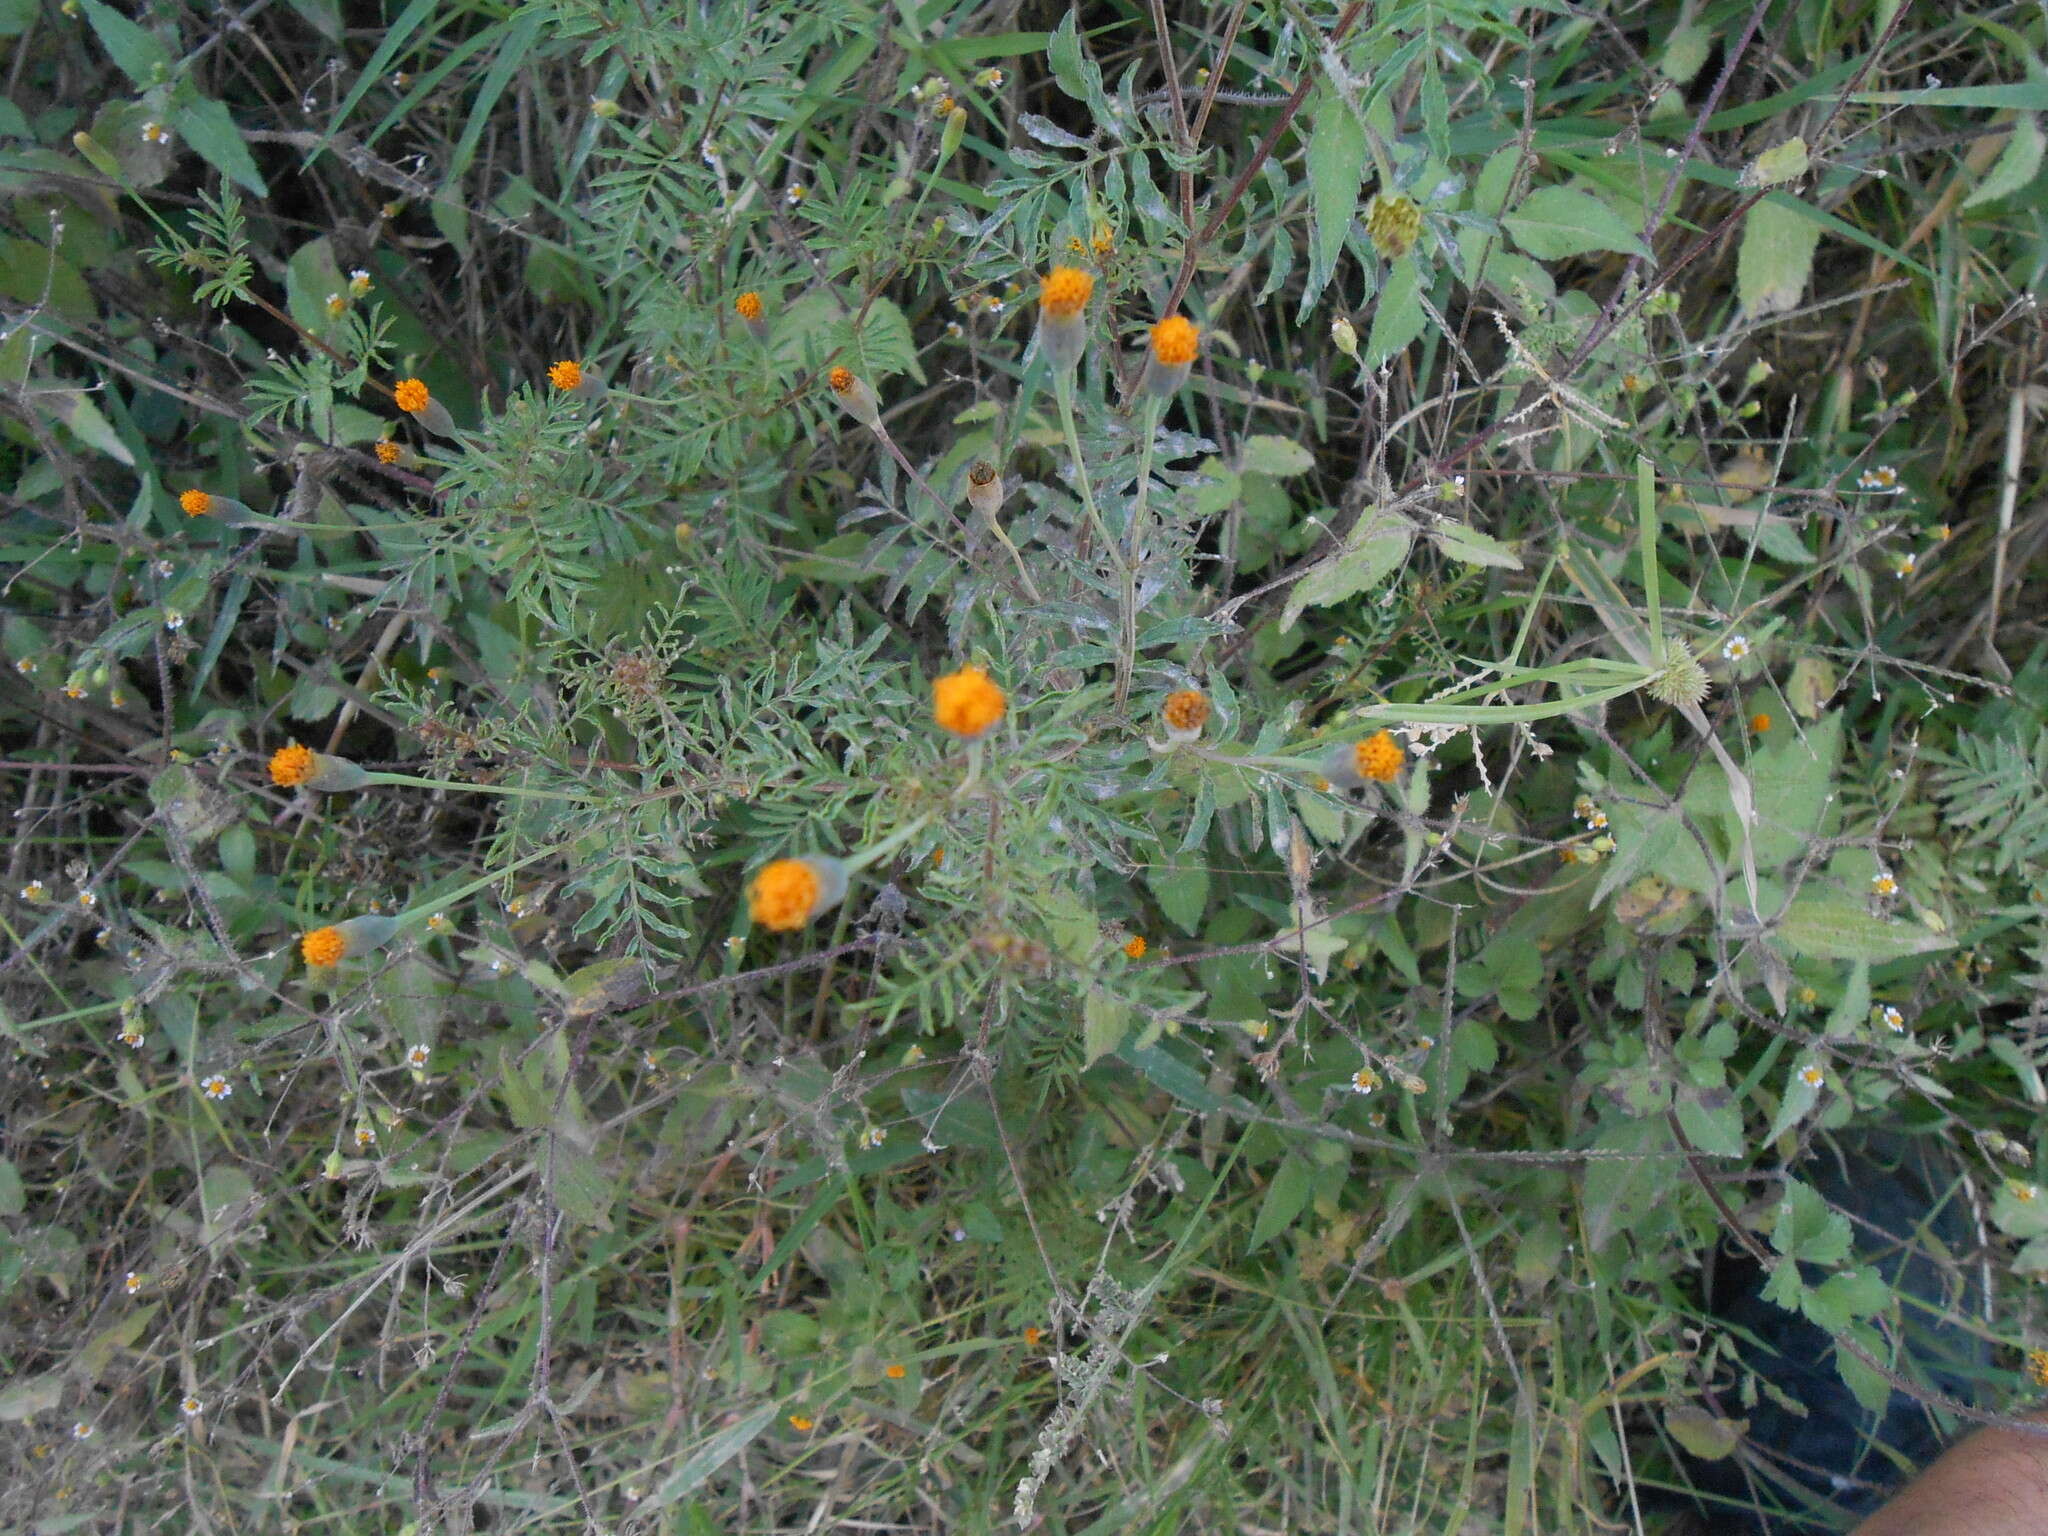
(1063, 295)
(894, 1372)
(1185, 713)
(749, 305)
(300, 767)
(1033, 1336)
(1393, 223)
(1379, 757)
(387, 451)
(323, 946)
(567, 375)
(1135, 946)
(855, 397)
(2037, 1367)
(337, 942)
(414, 399)
(1759, 722)
(1175, 342)
(967, 702)
(196, 503)
(801, 1424)
(785, 894)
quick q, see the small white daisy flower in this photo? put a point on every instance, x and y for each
(1812, 1076)
(190, 1406)
(416, 1058)
(1364, 1080)
(1882, 883)
(1894, 1020)
(1736, 648)
(217, 1087)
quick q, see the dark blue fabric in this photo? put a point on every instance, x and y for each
(1821, 1472)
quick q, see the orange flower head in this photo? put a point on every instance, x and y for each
(784, 895)
(1175, 341)
(1379, 757)
(1759, 723)
(1064, 292)
(801, 1424)
(196, 503)
(749, 306)
(291, 766)
(2037, 1367)
(412, 396)
(842, 380)
(387, 451)
(1033, 1337)
(1186, 711)
(566, 375)
(324, 946)
(1134, 946)
(966, 702)
(894, 1372)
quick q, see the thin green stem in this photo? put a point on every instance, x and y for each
(1134, 551)
(1063, 392)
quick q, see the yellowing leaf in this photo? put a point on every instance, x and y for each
(1781, 162)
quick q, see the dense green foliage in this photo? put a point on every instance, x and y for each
(1627, 410)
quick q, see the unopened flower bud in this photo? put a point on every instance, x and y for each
(985, 488)
(1345, 335)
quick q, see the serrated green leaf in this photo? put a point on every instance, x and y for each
(1827, 927)
(1712, 1122)
(1105, 1020)
(1870, 1388)
(1398, 316)
(1336, 170)
(1378, 544)
(1468, 544)
(76, 410)
(1779, 237)
(2017, 163)
(1555, 222)
(1685, 52)
(582, 1189)
(1182, 891)
(1806, 1229)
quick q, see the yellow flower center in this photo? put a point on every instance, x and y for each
(1175, 341)
(966, 702)
(784, 894)
(1379, 757)
(324, 946)
(291, 766)
(841, 380)
(1187, 710)
(1064, 292)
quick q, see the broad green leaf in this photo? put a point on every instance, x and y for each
(1275, 456)
(1829, 927)
(310, 276)
(1781, 162)
(2016, 165)
(1870, 1388)
(713, 1454)
(1702, 1433)
(582, 1189)
(1779, 238)
(1685, 51)
(1712, 1121)
(1806, 1229)
(208, 127)
(1182, 891)
(1799, 1095)
(1105, 1020)
(1841, 1299)
(1398, 317)
(1336, 173)
(1461, 542)
(1555, 222)
(1285, 1197)
(31, 1396)
(1377, 545)
(136, 51)
(75, 409)
(1621, 1189)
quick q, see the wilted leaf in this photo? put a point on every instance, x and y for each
(2016, 166)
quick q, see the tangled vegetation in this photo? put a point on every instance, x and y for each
(976, 765)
